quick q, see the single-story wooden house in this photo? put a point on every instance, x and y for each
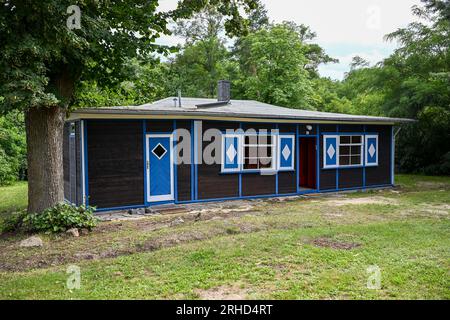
(182, 150)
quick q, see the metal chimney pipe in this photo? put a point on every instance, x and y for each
(179, 98)
(223, 90)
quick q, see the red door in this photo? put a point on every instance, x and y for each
(308, 163)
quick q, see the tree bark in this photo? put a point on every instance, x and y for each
(44, 130)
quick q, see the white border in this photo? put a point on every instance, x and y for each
(285, 136)
(366, 152)
(324, 156)
(224, 154)
(164, 197)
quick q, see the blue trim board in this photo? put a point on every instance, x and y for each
(86, 180)
(392, 156)
(195, 160)
(246, 197)
(144, 150)
(337, 161)
(347, 133)
(273, 156)
(297, 151)
(175, 161)
(364, 159)
(240, 173)
(192, 162)
(318, 157)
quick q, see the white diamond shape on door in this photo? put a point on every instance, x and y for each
(231, 153)
(331, 151)
(371, 150)
(286, 152)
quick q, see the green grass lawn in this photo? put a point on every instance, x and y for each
(314, 248)
(13, 198)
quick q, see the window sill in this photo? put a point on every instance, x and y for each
(349, 167)
(261, 172)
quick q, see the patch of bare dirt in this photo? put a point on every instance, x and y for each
(334, 244)
(234, 292)
(360, 201)
(432, 185)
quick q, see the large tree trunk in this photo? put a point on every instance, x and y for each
(44, 129)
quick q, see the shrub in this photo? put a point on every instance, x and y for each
(7, 172)
(60, 218)
(13, 222)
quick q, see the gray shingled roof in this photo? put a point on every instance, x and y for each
(235, 108)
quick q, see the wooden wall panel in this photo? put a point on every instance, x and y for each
(183, 169)
(302, 129)
(211, 182)
(351, 128)
(254, 184)
(157, 126)
(287, 182)
(380, 174)
(115, 163)
(351, 178)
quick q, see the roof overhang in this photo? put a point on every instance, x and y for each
(105, 113)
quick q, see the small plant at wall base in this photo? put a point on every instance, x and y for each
(59, 218)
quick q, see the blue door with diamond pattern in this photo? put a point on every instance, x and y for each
(159, 167)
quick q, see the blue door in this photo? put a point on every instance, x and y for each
(159, 167)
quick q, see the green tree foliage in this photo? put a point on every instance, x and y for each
(13, 164)
(204, 59)
(273, 67)
(42, 60)
(414, 82)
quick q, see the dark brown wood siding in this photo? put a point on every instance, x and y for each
(156, 126)
(380, 174)
(350, 178)
(115, 163)
(254, 184)
(211, 182)
(183, 169)
(302, 129)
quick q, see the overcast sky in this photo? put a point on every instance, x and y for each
(344, 28)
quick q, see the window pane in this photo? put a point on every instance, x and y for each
(345, 139)
(344, 150)
(344, 160)
(263, 139)
(251, 152)
(250, 163)
(265, 163)
(264, 151)
(356, 150)
(251, 139)
(356, 159)
(356, 139)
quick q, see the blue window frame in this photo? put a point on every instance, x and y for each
(346, 150)
(231, 153)
(371, 150)
(286, 152)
